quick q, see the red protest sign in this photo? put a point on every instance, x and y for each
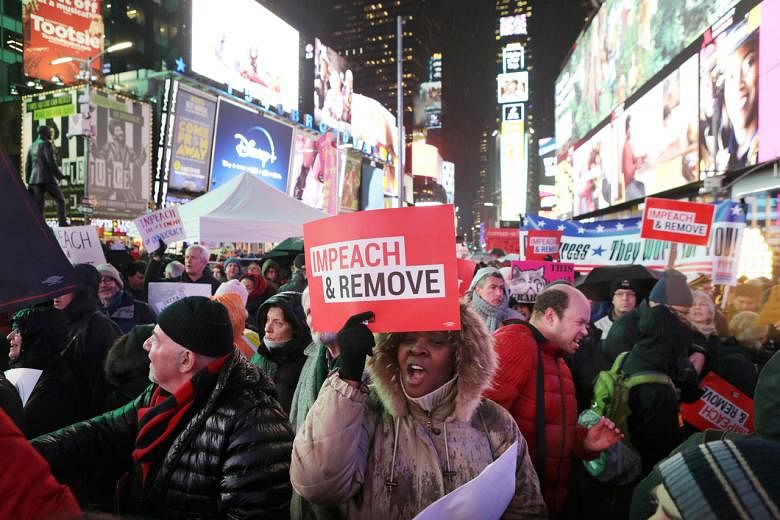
(722, 406)
(506, 239)
(543, 245)
(466, 269)
(677, 221)
(399, 263)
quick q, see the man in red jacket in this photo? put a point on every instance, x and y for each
(559, 320)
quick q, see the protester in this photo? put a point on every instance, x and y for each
(559, 321)
(271, 272)
(174, 270)
(42, 173)
(51, 401)
(298, 280)
(770, 315)
(127, 367)
(742, 358)
(703, 283)
(196, 259)
(118, 304)
(489, 298)
(419, 432)
(218, 272)
(208, 439)
(90, 334)
(259, 290)
(254, 268)
(233, 295)
(623, 295)
(136, 281)
(706, 342)
(281, 323)
(747, 297)
(232, 267)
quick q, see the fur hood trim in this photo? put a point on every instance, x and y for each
(475, 359)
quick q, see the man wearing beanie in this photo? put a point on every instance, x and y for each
(489, 298)
(232, 268)
(118, 304)
(623, 294)
(207, 438)
(298, 280)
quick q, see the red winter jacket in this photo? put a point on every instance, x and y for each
(514, 388)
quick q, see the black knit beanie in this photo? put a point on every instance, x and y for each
(198, 324)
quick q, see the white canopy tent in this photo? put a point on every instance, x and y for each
(245, 209)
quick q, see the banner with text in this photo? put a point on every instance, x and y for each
(721, 406)
(617, 242)
(386, 262)
(529, 277)
(80, 244)
(677, 221)
(506, 239)
(164, 225)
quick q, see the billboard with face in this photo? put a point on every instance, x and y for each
(244, 45)
(512, 87)
(351, 165)
(333, 88)
(245, 142)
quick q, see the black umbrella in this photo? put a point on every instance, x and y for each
(597, 283)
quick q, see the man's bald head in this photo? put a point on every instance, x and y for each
(562, 313)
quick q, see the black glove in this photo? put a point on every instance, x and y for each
(161, 249)
(355, 342)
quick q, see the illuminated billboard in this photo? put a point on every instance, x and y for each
(624, 46)
(516, 25)
(371, 186)
(314, 178)
(430, 97)
(514, 170)
(247, 47)
(594, 172)
(373, 127)
(769, 81)
(351, 171)
(333, 88)
(192, 133)
(513, 57)
(59, 29)
(512, 87)
(729, 94)
(245, 142)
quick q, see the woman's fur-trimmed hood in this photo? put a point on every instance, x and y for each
(475, 359)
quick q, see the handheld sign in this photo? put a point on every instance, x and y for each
(721, 406)
(466, 269)
(543, 245)
(529, 277)
(80, 244)
(162, 294)
(506, 239)
(164, 225)
(677, 221)
(399, 263)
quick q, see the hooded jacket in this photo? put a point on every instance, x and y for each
(354, 440)
(283, 364)
(230, 459)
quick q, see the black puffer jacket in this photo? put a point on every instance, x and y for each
(231, 459)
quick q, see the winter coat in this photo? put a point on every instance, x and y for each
(514, 388)
(623, 334)
(306, 390)
(297, 283)
(11, 403)
(356, 439)
(767, 425)
(127, 312)
(653, 425)
(230, 460)
(40, 167)
(206, 278)
(734, 363)
(127, 367)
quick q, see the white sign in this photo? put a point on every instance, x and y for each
(24, 379)
(164, 225)
(80, 244)
(162, 294)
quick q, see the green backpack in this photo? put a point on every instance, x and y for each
(620, 464)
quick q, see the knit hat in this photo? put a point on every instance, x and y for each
(748, 290)
(110, 271)
(198, 324)
(236, 311)
(485, 271)
(617, 285)
(234, 287)
(672, 289)
(231, 260)
(770, 312)
(300, 261)
(735, 478)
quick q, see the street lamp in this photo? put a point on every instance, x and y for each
(86, 72)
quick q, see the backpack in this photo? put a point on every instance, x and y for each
(620, 463)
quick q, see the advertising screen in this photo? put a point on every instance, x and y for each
(625, 45)
(514, 171)
(120, 173)
(512, 87)
(333, 88)
(245, 142)
(430, 97)
(374, 125)
(59, 29)
(515, 25)
(729, 97)
(244, 45)
(514, 57)
(351, 171)
(371, 189)
(191, 138)
(313, 174)
(769, 81)
(595, 167)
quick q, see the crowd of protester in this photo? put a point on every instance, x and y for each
(233, 406)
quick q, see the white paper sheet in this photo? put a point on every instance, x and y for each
(24, 379)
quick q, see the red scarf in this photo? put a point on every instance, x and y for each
(158, 422)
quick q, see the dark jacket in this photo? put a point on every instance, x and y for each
(653, 424)
(127, 312)
(206, 278)
(734, 363)
(11, 403)
(40, 166)
(230, 460)
(127, 367)
(623, 334)
(284, 364)
(297, 283)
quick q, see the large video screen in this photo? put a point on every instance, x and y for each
(245, 142)
(351, 170)
(333, 88)
(595, 166)
(374, 124)
(314, 178)
(514, 171)
(371, 186)
(769, 81)
(730, 98)
(626, 44)
(246, 46)
(191, 140)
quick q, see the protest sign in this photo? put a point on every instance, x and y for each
(543, 245)
(164, 224)
(80, 244)
(506, 239)
(721, 406)
(399, 263)
(529, 277)
(466, 270)
(162, 294)
(677, 221)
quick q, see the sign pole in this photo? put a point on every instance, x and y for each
(399, 174)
